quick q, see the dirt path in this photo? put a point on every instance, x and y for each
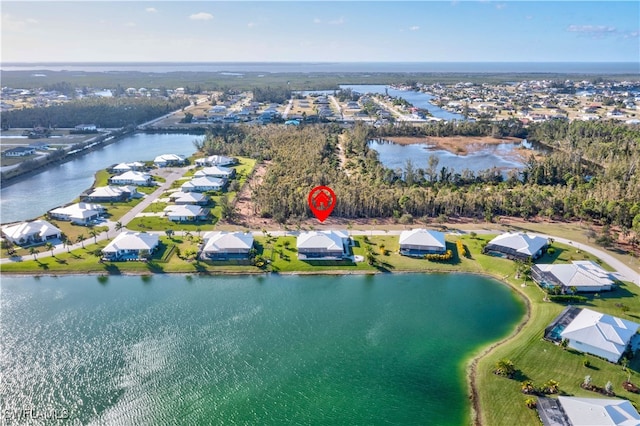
(247, 213)
(342, 157)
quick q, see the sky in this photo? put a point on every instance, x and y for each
(320, 31)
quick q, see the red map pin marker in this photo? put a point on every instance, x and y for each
(322, 200)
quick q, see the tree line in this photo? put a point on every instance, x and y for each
(104, 112)
(606, 189)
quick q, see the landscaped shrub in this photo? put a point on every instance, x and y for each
(448, 255)
(566, 298)
(462, 251)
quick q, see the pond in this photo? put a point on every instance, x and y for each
(268, 350)
(480, 157)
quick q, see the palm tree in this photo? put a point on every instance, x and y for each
(118, 226)
(80, 239)
(34, 252)
(50, 247)
(94, 234)
(169, 233)
(505, 367)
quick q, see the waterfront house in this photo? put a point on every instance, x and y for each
(216, 160)
(227, 245)
(130, 245)
(20, 151)
(216, 171)
(517, 245)
(583, 275)
(571, 411)
(25, 233)
(202, 184)
(189, 198)
(125, 167)
(79, 213)
(599, 334)
(169, 160)
(323, 245)
(418, 242)
(186, 213)
(112, 193)
(132, 178)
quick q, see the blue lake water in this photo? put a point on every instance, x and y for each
(248, 350)
(35, 195)
(395, 156)
(417, 99)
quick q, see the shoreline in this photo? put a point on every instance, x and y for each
(470, 379)
(460, 145)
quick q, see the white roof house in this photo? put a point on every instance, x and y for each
(518, 245)
(418, 242)
(125, 167)
(189, 198)
(215, 160)
(319, 245)
(599, 334)
(130, 245)
(599, 411)
(203, 183)
(31, 232)
(131, 178)
(185, 212)
(584, 275)
(78, 213)
(227, 245)
(216, 171)
(165, 160)
(114, 193)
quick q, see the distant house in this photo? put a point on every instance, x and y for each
(112, 193)
(584, 275)
(216, 171)
(169, 160)
(132, 178)
(216, 160)
(202, 184)
(20, 151)
(37, 231)
(186, 213)
(130, 245)
(572, 411)
(323, 245)
(125, 167)
(599, 334)
(227, 245)
(86, 128)
(189, 198)
(80, 213)
(419, 242)
(518, 245)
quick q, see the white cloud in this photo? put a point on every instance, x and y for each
(338, 21)
(594, 30)
(317, 21)
(414, 28)
(11, 23)
(251, 24)
(501, 6)
(151, 10)
(202, 16)
(130, 24)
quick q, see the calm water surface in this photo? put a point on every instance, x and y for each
(417, 99)
(395, 156)
(35, 195)
(266, 350)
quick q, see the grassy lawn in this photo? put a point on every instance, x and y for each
(102, 178)
(154, 223)
(116, 210)
(155, 207)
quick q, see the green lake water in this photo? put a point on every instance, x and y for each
(258, 350)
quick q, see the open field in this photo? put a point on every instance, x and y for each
(460, 145)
